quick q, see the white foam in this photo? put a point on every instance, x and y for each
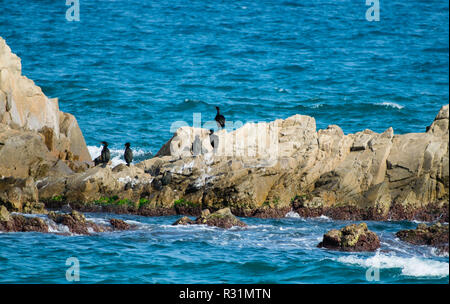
(391, 104)
(292, 214)
(437, 252)
(410, 266)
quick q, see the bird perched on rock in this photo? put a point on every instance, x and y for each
(220, 119)
(128, 154)
(105, 155)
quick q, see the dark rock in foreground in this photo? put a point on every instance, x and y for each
(222, 218)
(435, 235)
(351, 238)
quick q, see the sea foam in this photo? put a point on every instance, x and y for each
(410, 266)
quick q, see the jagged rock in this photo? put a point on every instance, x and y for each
(34, 132)
(255, 170)
(15, 192)
(435, 235)
(119, 224)
(34, 208)
(4, 214)
(351, 238)
(76, 222)
(20, 223)
(356, 176)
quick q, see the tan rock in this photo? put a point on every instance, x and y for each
(25, 109)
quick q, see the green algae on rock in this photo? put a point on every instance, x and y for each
(351, 238)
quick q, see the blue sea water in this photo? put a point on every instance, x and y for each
(129, 69)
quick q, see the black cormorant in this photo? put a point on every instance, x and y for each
(220, 119)
(104, 157)
(128, 154)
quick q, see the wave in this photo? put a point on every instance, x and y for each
(390, 104)
(292, 214)
(410, 266)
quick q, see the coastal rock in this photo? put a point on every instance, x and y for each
(76, 222)
(15, 192)
(33, 131)
(184, 221)
(222, 218)
(435, 235)
(351, 238)
(259, 169)
(20, 223)
(119, 224)
(267, 169)
(4, 214)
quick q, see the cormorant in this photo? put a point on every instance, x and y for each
(104, 157)
(128, 154)
(220, 119)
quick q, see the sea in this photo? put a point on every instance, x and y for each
(133, 71)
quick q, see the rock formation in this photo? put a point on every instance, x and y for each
(351, 238)
(435, 235)
(74, 221)
(268, 168)
(37, 139)
(222, 218)
(260, 169)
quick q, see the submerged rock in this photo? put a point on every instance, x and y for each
(222, 218)
(184, 221)
(76, 222)
(118, 224)
(435, 235)
(351, 238)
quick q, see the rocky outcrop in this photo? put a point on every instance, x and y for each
(351, 238)
(222, 218)
(263, 169)
(75, 222)
(435, 235)
(266, 169)
(20, 223)
(37, 140)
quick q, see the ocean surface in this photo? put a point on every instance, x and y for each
(131, 70)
